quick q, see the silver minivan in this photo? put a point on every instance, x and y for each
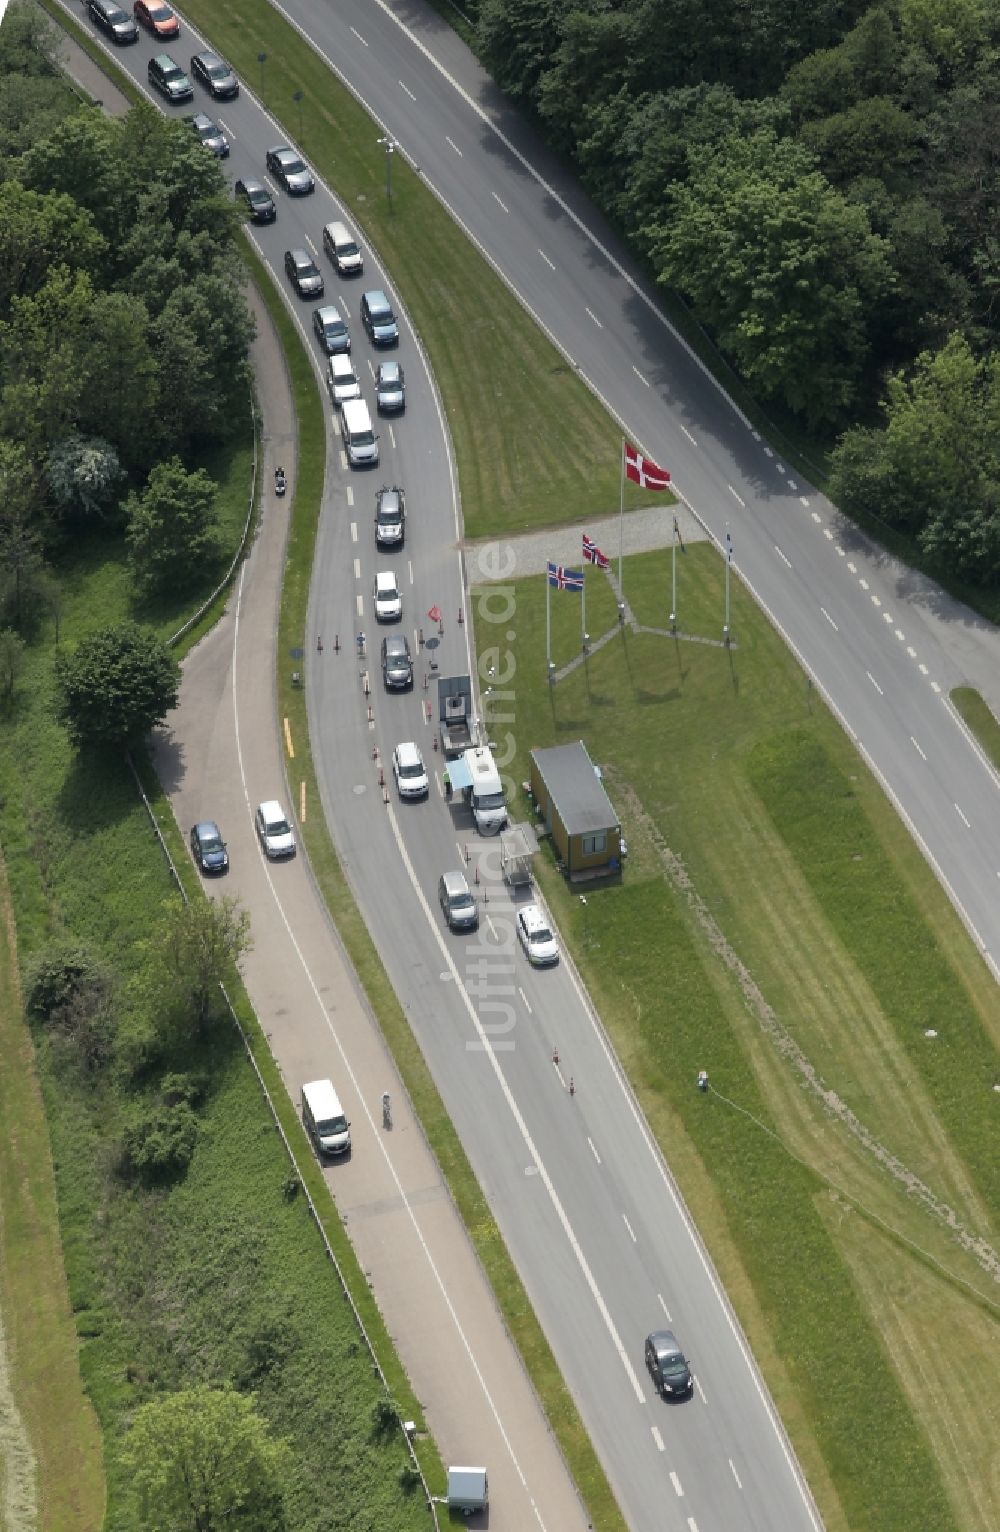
(360, 441)
(342, 248)
(342, 380)
(324, 1118)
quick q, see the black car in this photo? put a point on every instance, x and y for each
(287, 167)
(378, 318)
(258, 200)
(397, 666)
(113, 21)
(390, 517)
(167, 76)
(216, 76)
(210, 134)
(303, 273)
(331, 331)
(668, 1366)
(208, 848)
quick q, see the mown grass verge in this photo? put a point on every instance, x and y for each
(511, 1297)
(728, 757)
(981, 719)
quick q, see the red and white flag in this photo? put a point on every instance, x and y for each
(642, 470)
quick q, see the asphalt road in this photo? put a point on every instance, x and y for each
(884, 657)
(580, 1194)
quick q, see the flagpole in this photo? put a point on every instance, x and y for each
(729, 560)
(673, 580)
(621, 535)
(548, 627)
(583, 610)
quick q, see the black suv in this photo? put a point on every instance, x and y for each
(397, 666)
(217, 77)
(113, 21)
(258, 200)
(390, 517)
(668, 1366)
(169, 78)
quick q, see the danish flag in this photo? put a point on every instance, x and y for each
(642, 470)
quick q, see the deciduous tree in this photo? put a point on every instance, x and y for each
(173, 532)
(116, 685)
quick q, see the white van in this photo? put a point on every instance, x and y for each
(342, 380)
(360, 441)
(342, 248)
(324, 1118)
(485, 796)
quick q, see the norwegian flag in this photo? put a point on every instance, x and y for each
(593, 554)
(642, 470)
(565, 579)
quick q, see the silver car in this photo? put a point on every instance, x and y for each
(390, 390)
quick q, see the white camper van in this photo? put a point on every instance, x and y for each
(485, 791)
(360, 441)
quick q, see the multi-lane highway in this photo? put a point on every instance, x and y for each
(579, 1192)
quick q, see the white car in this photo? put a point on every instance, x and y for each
(342, 380)
(410, 772)
(276, 834)
(388, 601)
(536, 936)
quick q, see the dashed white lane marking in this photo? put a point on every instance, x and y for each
(663, 1306)
(784, 557)
(690, 438)
(349, 492)
(874, 683)
(863, 584)
(828, 534)
(756, 437)
(888, 617)
(781, 468)
(358, 36)
(852, 567)
(917, 748)
(692, 1524)
(642, 379)
(768, 452)
(804, 501)
(408, 90)
(962, 817)
(546, 259)
(735, 1474)
(793, 486)
(900, 635)
(392, 438)
(876, 601)
(658, 1439)
(817, 518)
(360, 604)
(343, 460)
(735, 496)
(840, 552)
(923, 669)
(935, 687)
(501, 203)
(701, 1391)
(593, 1150)
(527, 1002)
(453, 144)
(354, 531)
(357, 569)
(630, 1230)
(911, 651)
(676, 1483)
(409, 569)
(591, 315)
(829, 619)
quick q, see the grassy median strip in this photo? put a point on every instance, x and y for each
(756, 835)
(981, 719)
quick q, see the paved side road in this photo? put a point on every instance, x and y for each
(219, 756)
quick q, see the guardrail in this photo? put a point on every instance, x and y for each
(432, 1501)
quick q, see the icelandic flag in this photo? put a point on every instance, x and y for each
(565, 579)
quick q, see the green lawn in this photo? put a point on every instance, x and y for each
(772, 901)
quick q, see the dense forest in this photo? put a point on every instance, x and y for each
(123, 329)
(820, 180)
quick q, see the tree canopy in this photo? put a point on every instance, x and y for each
(116, 685)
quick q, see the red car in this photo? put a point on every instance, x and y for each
(157, 17)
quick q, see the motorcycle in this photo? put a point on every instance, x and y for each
(279, 481)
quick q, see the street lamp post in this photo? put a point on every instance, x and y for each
(297, 98)
(389, 144)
